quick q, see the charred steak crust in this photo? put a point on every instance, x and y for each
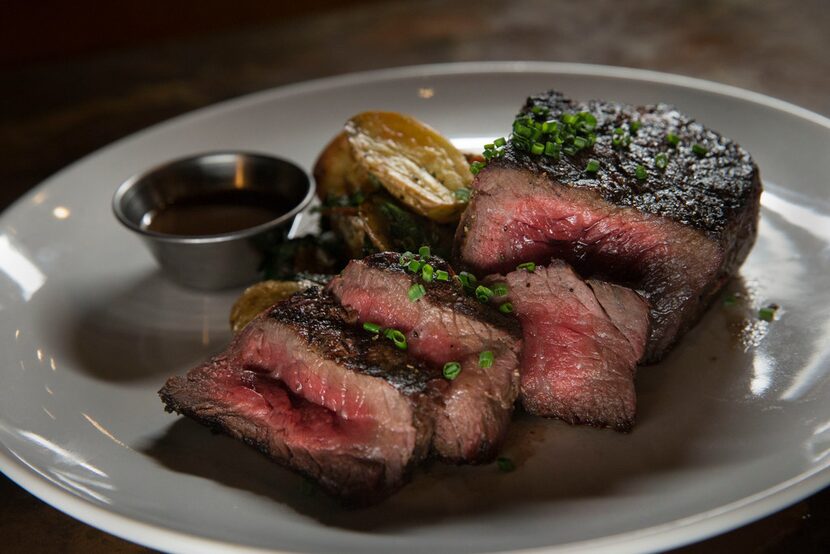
(318, 319)
(448, 293)
(703, 192)
(676, 236)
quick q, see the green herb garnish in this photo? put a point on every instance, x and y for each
(451, 370)
(476, 167)
(483, 294)
(427, 273)
(527, 266)
(767, 313)
(592, 167)
(372, 327)
(442, 275)
(485, 359)
(462, 194)
(398, 338)
(640, 173)
(661, 160)
(672, 139)
(415, 266)
(424, 252)
(500, 289)
(506, 308)
(416, 291)
(699, 149)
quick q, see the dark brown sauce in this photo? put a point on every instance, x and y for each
(215, 213)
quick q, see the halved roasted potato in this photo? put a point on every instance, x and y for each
(337, 173)
(412, 161)
(260, 296)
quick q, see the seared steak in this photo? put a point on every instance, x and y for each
(582, 342)
(672, 214)
(442, 326)
(305, 386)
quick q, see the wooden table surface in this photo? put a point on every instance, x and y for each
(54, 113)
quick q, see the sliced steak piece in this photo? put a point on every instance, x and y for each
(582, 342)
(676, 235)
(444, 325)
(314, 392)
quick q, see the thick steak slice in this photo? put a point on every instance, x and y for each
(444, 325)
(676, 235)
(582, 342)
(315, 393)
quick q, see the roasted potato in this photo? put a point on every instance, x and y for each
(415, 164)
(260, 296)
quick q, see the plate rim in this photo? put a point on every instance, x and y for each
(672, 534)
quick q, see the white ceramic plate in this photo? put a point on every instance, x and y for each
(735, 424)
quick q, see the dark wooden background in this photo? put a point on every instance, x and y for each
(76, 76)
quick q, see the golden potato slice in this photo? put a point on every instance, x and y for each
(412, 161)
(260, 296)
(336, 172)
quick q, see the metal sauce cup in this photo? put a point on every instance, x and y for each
(214, 261)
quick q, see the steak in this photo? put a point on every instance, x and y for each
(442, 326)
(673, 214)
(314, 392)
(582, 342)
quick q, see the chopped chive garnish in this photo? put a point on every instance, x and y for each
(592, 166)
(475, 167)
(505, 464)
(416, 291)
(451, 370)
(767, 313)
(580, 142)
(640, 173)
(406, 257)
(371, 327)
(672, 139)
(500, 142)
(551, 149)
(467, 279)
(699, 149)
(506, 308)
(426, 273)
(730, 300)
(500, 289)
(490, 146)
(424, 252)
(442, 275)
(485, 359)
(462, 194)
(483, 294)
(537, 148)
(528, 266)
(661, 161)
(635, 126)
(415, 266)
(396, 337)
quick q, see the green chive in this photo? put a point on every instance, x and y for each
(406, 257)
(483, 294)
(500, 289)
(415, 266)
(424, 252)
(767, 313)
(506, 308)
(672, 139)
(475, 167)
(416, 291)
(528, 266)
(592, 166)
(641, 173)
(467, 279)
(426, 273)
(699, 149)
(551, 149)
(372, 327)
(451, 370)
(442, 275)
(580, 142)
(589, 122)
(462, 195)
(485, 359)
(398, 338)
(505, 464)
(661, 161)
(490, 146)
(635, 126)
(500, 142)
(537, 109)
(537, 148)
